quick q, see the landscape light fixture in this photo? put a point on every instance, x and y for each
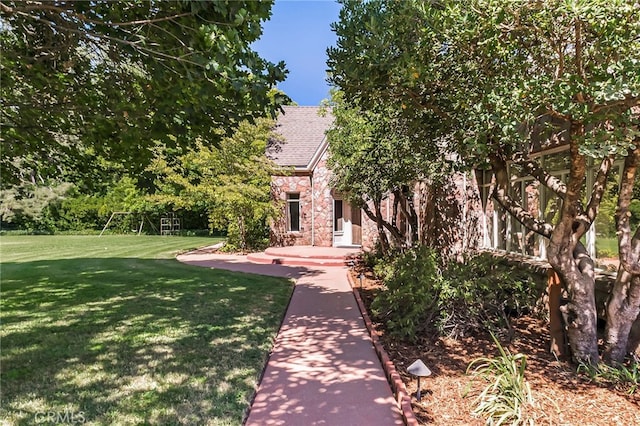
(361, 277)
(419, 369)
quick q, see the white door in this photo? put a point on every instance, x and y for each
(342, 231)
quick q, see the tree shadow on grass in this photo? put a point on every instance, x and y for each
(241, 264)
(134, 340)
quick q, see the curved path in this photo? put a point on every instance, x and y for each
(323, 369)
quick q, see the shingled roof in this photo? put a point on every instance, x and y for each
(303, 132)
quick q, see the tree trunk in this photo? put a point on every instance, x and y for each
(622, 310)
(624, 301)
(399, 238)
(569, 258)
(384, 241)
(394, 214)
(575, 269)
(423, 211)
(243, 234)
(633, 345)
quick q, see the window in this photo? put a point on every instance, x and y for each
(503, 232)
(293, 212)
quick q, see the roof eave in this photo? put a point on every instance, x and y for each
(318, 154)
(296, 170)
(313, 163)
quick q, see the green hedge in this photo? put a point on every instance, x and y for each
(421, 296)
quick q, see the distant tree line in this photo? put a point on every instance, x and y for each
(92, 91)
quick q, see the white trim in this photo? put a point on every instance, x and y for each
(289, 202)
(318, 154)
(550, 151)
(313, 214)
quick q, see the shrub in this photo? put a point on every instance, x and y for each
(483, 293)
(78, 213)
(254, 236)
(27, 207)
(480, 293)
(604, 253)
(412, 283)
(371, 258)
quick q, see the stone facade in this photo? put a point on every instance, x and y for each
(316, 209)
(449, 213)
(323, 204)
(281, 186)
(302, 152)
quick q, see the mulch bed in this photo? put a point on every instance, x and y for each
(562, 396)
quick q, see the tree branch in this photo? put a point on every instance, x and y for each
(560, 68)
(501, 194)
(532, 167)
(143, 50)
(377, 218)
(578, 47)
(24, 10)
(574, 222)
(393, 230)
(627, 102)
(598, 188)
(368, 212)
(550, 110)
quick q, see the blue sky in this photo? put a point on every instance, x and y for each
(299, 33)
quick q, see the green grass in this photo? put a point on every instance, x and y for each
(607, 246)
(621, 377)
(113, 330)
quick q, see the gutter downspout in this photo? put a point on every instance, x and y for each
(313, 214)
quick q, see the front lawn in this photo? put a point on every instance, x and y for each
(607, 247)
(113, 330)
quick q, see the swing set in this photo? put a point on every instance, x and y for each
(139, 230)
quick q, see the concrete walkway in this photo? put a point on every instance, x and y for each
(323, 369)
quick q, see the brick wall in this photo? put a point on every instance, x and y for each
(322, 206)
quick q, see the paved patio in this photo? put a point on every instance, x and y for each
(305, 256)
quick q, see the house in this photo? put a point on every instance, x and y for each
(313, 212)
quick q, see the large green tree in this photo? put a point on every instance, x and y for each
(495, 79)
(88, 86)
(371, 158)
(231, 183)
